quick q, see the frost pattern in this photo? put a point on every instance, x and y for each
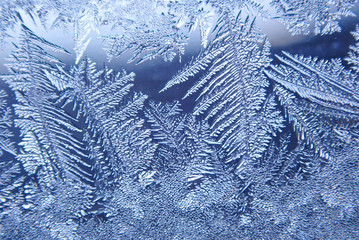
(45, 148)
(6, 122)
(353, 54)
(183, 139)
(299, 15)
(165, 30)
(267, 151)
(10, 169)
(246, 118)
(329, 95)
(115, 139)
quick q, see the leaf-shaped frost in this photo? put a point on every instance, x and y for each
(328, 92)
(147, 38)
(82, 29)
(353, 54)
(200, 63)
(167, 123)
(232, 89)
(298, 15)
(10, 169)
(117, 142)
(183, 141)
(318, 81)
(6, 121)
(47, 130)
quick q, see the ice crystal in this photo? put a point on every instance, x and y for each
(299, 16)
(263, 144)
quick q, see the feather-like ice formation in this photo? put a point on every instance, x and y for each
(257, 148)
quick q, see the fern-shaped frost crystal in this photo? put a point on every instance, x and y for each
(353, 55)
(232, 89)
(330, 93)
(85, 156)
(116, 139)
(6, 122)
(299, 16)
(47, 142)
